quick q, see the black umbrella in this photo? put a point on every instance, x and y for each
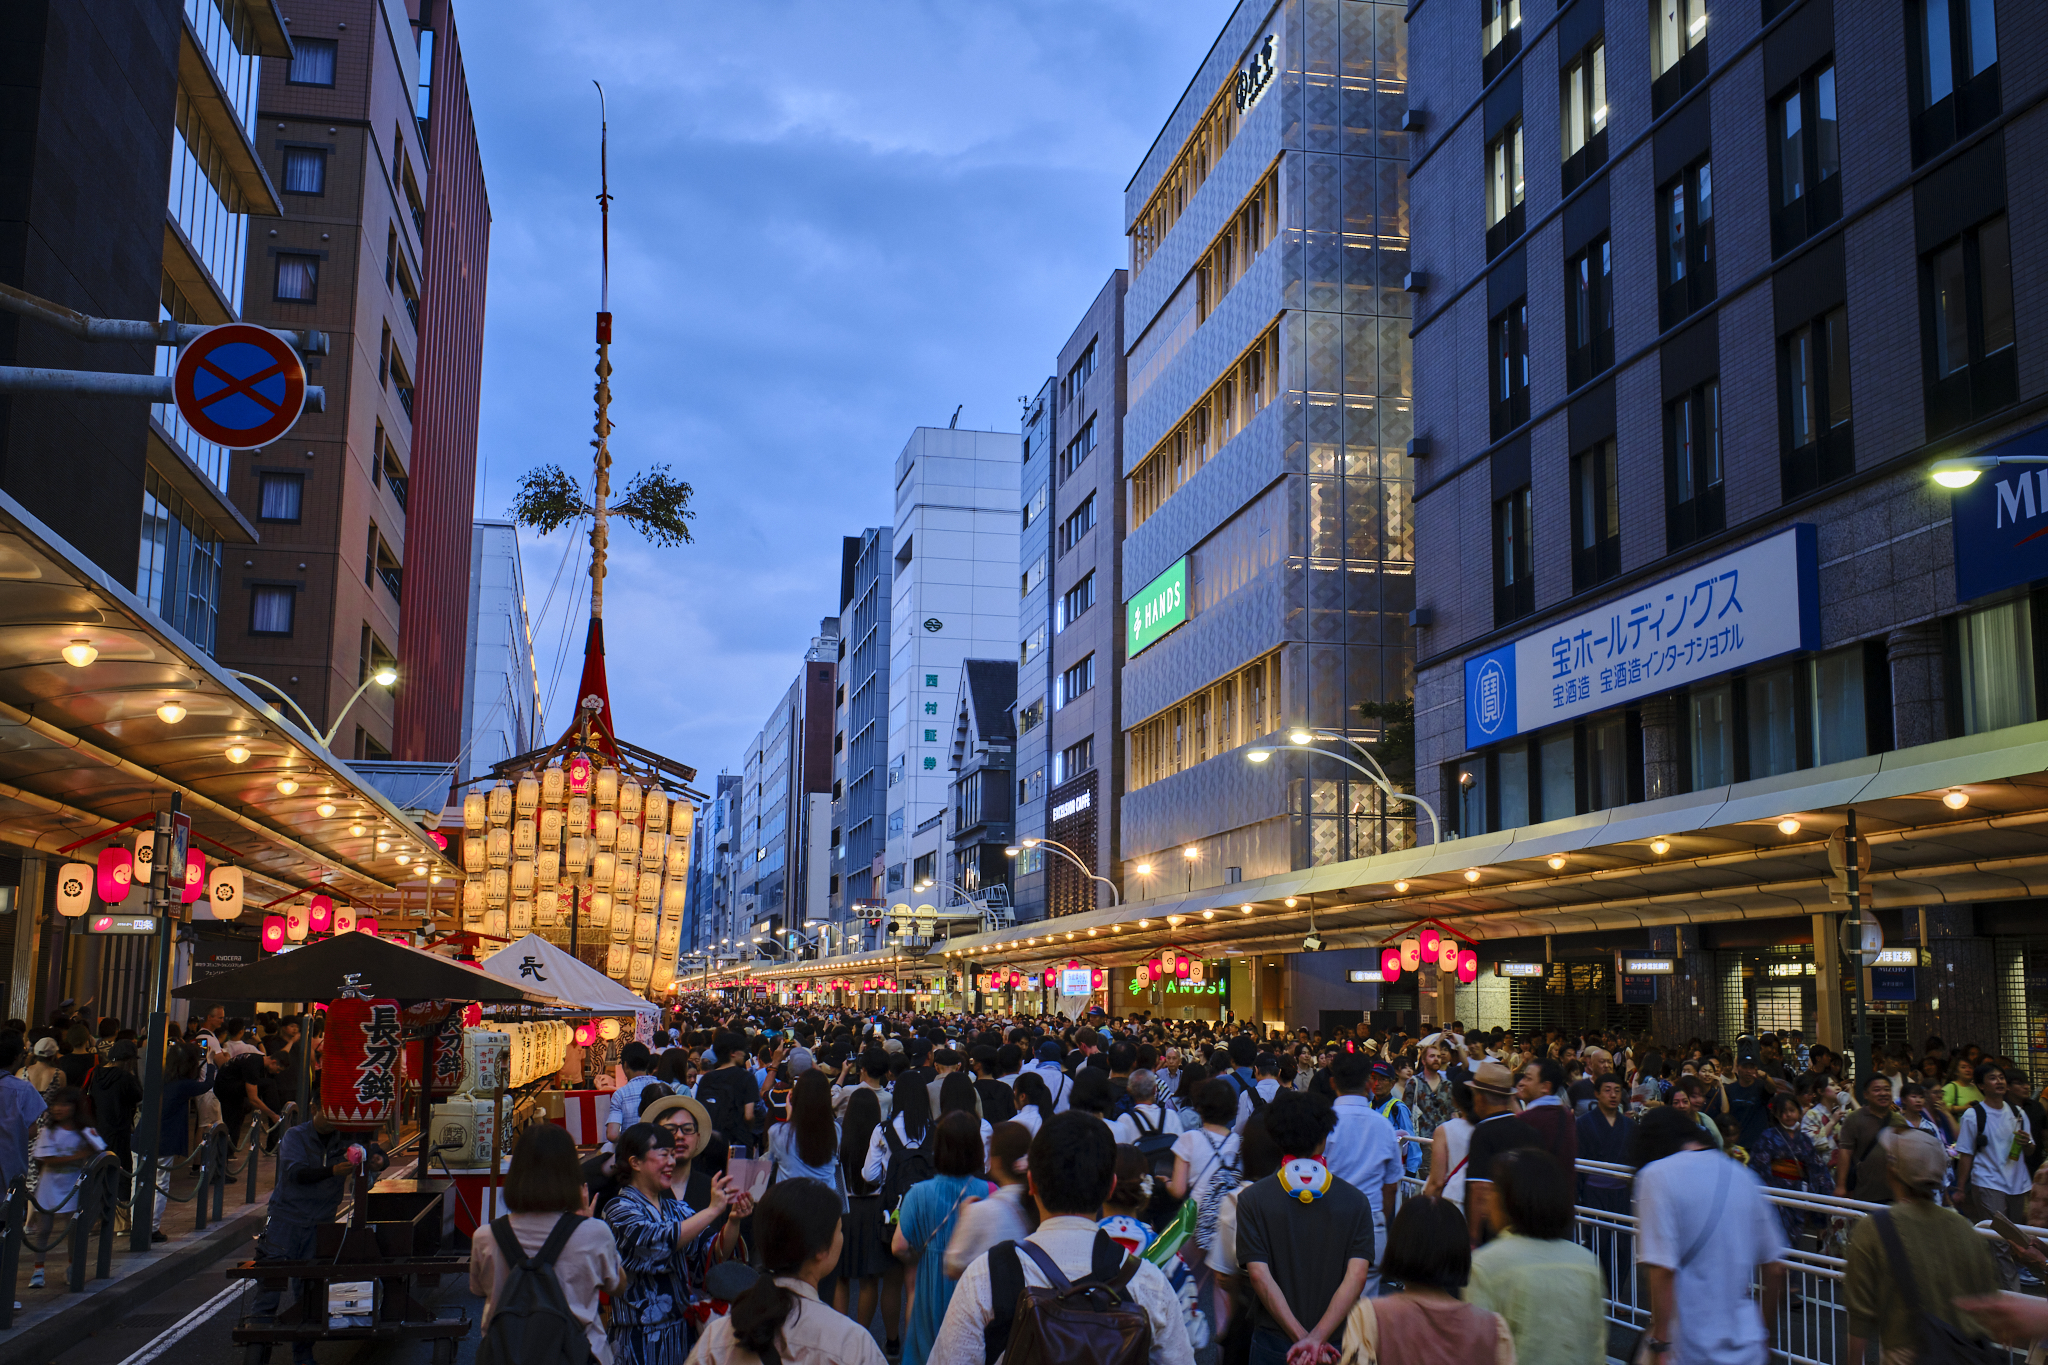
(380, 967)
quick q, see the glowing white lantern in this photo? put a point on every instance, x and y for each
(525, 798)
(497, 886)
(474, 857)
(501, 804)
(654, 810)
(575, 855)
(525, 837)
(607, 786)
(552, 786)
(629, 799)
(605, 828)
(547, 867)
(74, 890)
(522, 879)
(475, 811)
(551, 822)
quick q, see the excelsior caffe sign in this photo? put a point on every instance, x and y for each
(1743, 608)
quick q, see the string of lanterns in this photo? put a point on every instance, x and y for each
(1441, 949)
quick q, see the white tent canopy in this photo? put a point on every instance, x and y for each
(534, 962)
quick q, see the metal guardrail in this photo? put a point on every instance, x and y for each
(1811, 1326)
(107, 1196)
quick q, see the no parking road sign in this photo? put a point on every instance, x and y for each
(240, 386)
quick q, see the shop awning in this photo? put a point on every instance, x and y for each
(85, 748)
(534, 962)
(889, 960)
(1727, 859)
(322, 969)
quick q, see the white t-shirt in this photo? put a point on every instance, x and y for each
(1128, 1130)
(1223, 1256)
(1990, 1170)
(1202, 1149)
(1029, 1116)
(1677, 1209)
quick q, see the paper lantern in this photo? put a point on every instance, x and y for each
(498, 847)
(575, 855)
(547, 908)
(549, 828)
(608, 1028)
(368, 925)
(525, 798)
(474, 859)
(578, 771)
(1468, 966)
(622, 922)
(598, 910)
(273, 933)
(630, 794)
(495, 923)
(1447, 953)
(345, 919)
(360, 1066)
(472, 902)
(520, 918)
(116, 874)
(320, 914)
(195, 876)
(640, 972)
(669, 939)
(1428, 941)
(579, 815)
(547, 867)
(628, 841)
(654, 810)
(585, 1035)
(646, 926)
(144, 866)
(525, 838)
(1390, 964)
(522, 880)
(475, 811)
(678, 857)
(606, 789)
(224, 892)
(1180, 967)
(649, 891)
(617, 959)
(552, 785)
(74, 889)
(434, 1018)
(681, 816)
(1098, 980)
(625, 884)
(501, 805)
(497, 887)
(1411, 953)
(604, 828)
(296, 922)
(1195, 973)
(604, 867)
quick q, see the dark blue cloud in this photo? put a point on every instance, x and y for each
(833, 223)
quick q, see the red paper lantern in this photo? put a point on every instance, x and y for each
(472, 1015)
(1429, 939)
(1096, 980)
(273, 933)
(366, 924)
(1180, 966)
(440, 839)
(195, 877)
(359, 1074)
(445, 1025)
(116, 874)
(1468, 966)
(320, 914)
(1390, 963)
(586, 1034)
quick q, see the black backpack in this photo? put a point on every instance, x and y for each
(530, 1321)
(908, 1166)
(1154, 1143)
(1091, 1321)
(728, 1114)
(1244, 1088)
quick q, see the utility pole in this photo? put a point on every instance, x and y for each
(1849, 858)
(173, 836)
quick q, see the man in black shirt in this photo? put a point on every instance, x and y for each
(1307, 1260)
(240, 1085)
(998, 1102)
(730, 1093)
(1497, 1129)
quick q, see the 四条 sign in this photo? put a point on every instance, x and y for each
(1158, 607)
(1743, 608)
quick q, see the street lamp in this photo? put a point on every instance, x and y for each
(1965, 470)
(1374, 774)
(1072, 857)
(383, 677)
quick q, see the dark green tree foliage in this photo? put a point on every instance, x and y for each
(1396, 747)
(656, 503)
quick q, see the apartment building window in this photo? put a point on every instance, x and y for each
(1966, 285)
(1686, 263)
(1226, 409)
(1034, 506)
(297, 278)
(1585, 114)
(1030, 715)
(370, 556)
(1076, 682)
(1953, 61)
(1078, 523)
(1236, 709)
(1249, 232)
(1031, 787)
(1596, 516)
(1813, 388)
(1505, 182)
(1033, 576)
(280, 496)
(1678, 50)
(1077, 376)
(305, 170)
(1177, 188)
(1992, 668)
(1075, 601)
(271, 608)
(1766, 722)
(1509, 366)
(1589, 313)
(1074, 760)
(1806, 160)
(1500, 35)
(1032, 646)
(1514, 580)
(312, 61)
(1076, 453)
(1694, 502)
(1612, 745)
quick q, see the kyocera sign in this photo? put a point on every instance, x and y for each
(2001, 521)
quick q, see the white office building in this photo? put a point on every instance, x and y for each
(501, 697)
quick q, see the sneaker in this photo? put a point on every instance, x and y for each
(35, 1281)
(158, 1236)
(893, 1350)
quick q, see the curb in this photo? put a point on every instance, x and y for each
(41, 1342)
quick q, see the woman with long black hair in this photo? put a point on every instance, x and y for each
(1034, 1101)
(865, 1258)
(910, 1124)
(808, 1145)
(781, 1317)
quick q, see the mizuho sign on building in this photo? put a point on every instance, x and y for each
(1757, 603)
(1159, 606)
(2001, 521)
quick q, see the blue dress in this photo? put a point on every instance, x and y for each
(648, 1323)
(929, 1212)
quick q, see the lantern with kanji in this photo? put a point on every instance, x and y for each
(359, 1074)
(442, 1022)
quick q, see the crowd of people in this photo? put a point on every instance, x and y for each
(871, 1187)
